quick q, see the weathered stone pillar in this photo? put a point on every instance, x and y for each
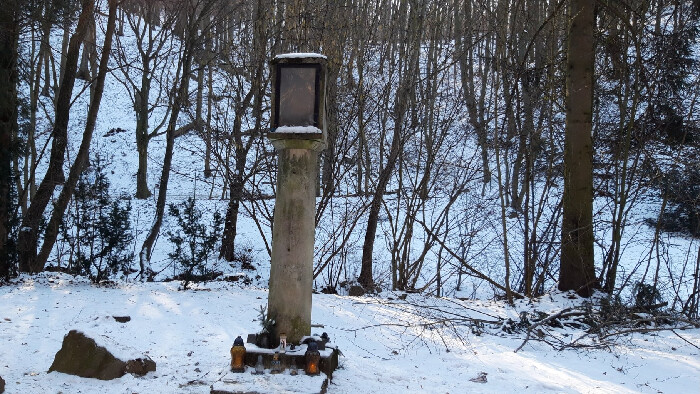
(298, 133)
(291, 271)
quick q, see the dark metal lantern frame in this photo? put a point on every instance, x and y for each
(278, 84)
(316, 63)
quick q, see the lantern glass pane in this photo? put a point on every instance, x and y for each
(297, 96)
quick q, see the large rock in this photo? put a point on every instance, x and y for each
(80, 355)
(2, 385)
(356, 291)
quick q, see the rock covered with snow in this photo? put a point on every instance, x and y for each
(81, 355)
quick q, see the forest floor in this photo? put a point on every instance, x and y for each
(390, 343)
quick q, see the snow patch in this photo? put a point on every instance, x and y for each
(298, 130)
(300, 55)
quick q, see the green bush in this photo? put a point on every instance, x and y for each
(98, 227)
(194, 242)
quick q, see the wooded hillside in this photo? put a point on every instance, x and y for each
(445, 169)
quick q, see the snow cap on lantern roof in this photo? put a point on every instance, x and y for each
(299, 55)
(299, 130)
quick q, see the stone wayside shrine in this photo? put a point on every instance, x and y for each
(298, 133)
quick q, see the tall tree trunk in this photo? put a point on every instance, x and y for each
(28, 238)
(30, 155)
(237, 181)
(147, 247)
(141, 98)
(207, 126)
(82, 158)
(577, 260)
(45, 48)
(86, 69)
(9, 33)
(150, 44)
(333, 43)
(191, 17)
(464, 43)
(404, 94)
(64, 53)
(238, 178)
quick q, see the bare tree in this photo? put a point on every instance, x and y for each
(474, 72)
(155, 51)
(28, 238)
(238, 176)
(411, 23)
(81, 159)
(192, 14)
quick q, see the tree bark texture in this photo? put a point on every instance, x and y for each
(577, 260)
(9, 31)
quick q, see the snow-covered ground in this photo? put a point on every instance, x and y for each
(389, 344)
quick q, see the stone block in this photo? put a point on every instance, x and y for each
(80, 355)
